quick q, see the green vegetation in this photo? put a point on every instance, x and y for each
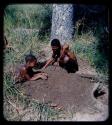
(28, 17)
(94, 46)
(23, 26)
(91, 36)
(16, 101)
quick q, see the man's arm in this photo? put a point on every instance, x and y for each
(48, 62)
(23, 74)
(36, 76)
(64, 50)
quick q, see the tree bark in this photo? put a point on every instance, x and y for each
(62, 22)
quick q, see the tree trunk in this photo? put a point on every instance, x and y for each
(62, 22)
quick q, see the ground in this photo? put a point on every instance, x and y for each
(73, 92)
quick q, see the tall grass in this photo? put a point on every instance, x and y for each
(90, 47)
(91, 38)
(28, 16)
(16, 101)
(22, 25)
(12, 58)
(24, 36)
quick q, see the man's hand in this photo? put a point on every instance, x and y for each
(43, 76)
(48, 62)
(40, 75)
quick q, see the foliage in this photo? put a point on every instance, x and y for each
(19, 102)
(21, 42)
(94, 49)
(91, 38)
(29, 17)
(21, 27)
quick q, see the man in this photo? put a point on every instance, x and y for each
(63, 56)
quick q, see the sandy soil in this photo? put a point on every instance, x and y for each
(70, 91)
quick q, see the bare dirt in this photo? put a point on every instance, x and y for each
(71, 91)
(68, 90)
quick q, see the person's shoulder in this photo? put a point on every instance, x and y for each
(22, 68)
(65, 45)
(72, 53)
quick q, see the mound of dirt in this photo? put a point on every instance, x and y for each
(63, 89)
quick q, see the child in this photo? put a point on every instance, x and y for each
(26, 71)
(63, 56)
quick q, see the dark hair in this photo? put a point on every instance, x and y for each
(30, 58)
(55, 42)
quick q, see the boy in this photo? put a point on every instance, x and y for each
(63, 56)
(26, 71)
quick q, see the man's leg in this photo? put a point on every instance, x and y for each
(71, 66)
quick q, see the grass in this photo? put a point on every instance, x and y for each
(17, 105)
(23, 39)
(11, 59)
(86, 46)
(16, 101)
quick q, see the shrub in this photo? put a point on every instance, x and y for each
(29, 17)
(94, 49)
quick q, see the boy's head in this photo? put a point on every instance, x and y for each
(31, 60)
(55, 44)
